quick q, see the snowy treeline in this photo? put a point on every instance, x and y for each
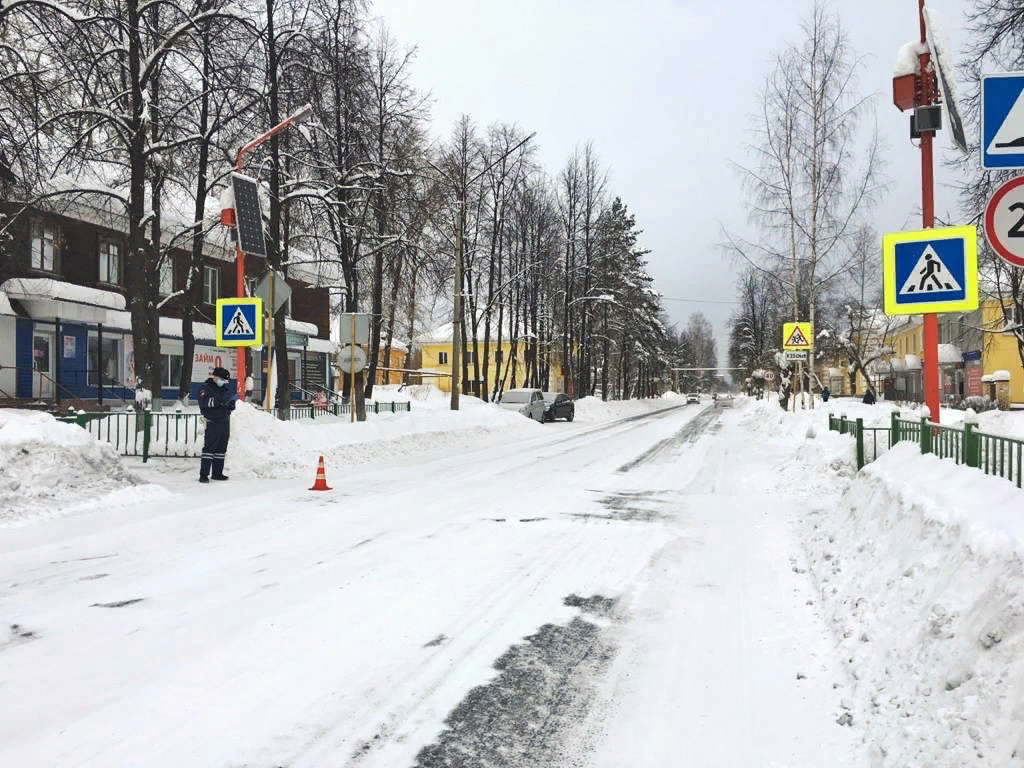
(143, 104)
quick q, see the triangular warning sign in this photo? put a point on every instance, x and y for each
(797, 339)
(1009, 139)
(929, 275)
(238, 325)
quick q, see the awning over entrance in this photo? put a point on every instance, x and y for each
(47, 299)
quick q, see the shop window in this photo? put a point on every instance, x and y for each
(171, 370)
(110, 363)
(110, 262)
(44, 246)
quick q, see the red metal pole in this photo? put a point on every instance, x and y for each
(930, 331)
(240, 291)
(239, 253)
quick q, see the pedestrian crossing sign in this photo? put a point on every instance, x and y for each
(930, 271)
(796, 336)
(240, 322)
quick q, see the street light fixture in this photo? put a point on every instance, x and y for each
(302, 115)
(456, 353)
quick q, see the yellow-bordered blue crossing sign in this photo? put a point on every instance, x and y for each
(240, 322)
(930, 270)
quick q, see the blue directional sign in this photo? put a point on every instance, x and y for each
(240, 322)
(931, 270)
(1002, 121)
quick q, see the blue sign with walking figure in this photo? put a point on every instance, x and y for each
(932, 270)
(240, 322)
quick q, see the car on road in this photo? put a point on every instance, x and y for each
(557, 405)
(693, 397)
(529, 402)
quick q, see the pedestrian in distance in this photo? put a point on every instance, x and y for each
(249, 384)
(869, 398)
(826, 393)
(216, 402)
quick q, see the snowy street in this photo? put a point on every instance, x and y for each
(636, 579)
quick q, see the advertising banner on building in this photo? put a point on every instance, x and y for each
(204, 360)
(973, 371)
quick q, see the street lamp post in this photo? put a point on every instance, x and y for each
(301, 116)
(460, 226)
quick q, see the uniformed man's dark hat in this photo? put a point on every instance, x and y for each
(221, 373)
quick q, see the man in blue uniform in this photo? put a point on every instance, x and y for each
(216, 401)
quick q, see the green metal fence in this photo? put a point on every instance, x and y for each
(180, 435)
(339, 409)
(171, 435)
(996, 455)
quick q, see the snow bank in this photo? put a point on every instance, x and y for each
(920, 572)
(594, 409)
(46, 465)
(919, 567)
(262, 446)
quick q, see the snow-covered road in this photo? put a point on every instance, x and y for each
(627, 593)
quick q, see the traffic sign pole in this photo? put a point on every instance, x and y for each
(930, 332)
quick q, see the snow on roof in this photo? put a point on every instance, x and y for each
(986, 379)
(28, 288)
(907, 61)
(950, 353)
(913, 362)
(1000, 376)
(297, 326)
(5, 305)
(321, 345)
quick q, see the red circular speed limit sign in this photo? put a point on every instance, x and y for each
(1004, 221)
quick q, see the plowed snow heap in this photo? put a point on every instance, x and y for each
(45, 463)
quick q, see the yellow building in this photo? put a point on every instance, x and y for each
(999, 350)
(434, 350)
(968, 355)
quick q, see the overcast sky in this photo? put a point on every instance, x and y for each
(665, 89)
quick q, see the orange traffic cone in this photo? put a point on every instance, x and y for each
(321, 478)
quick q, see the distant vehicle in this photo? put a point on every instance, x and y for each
(529, 402)
(693, 397)
(557, 405)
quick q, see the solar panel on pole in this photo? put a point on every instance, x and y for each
(248, 217)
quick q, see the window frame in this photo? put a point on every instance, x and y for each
(43, 226)
(167, 265)
(104, 248)
(442, 358)
(210, 297)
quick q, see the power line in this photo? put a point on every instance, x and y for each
(701, 301)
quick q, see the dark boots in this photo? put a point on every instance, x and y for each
(218, 468)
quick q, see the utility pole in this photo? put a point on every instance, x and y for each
(456, 356)
(930, 331)
(463, 186)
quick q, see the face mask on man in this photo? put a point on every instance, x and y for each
(219, 382)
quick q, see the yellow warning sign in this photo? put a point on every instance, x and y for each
(796, 336)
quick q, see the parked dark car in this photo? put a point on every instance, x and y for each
(557, 405)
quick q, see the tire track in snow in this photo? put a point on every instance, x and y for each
(688, 434)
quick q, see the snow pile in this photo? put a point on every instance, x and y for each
(46, 464)
(594, 409)
(262, 446)
(919, 568)
(920, 571)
